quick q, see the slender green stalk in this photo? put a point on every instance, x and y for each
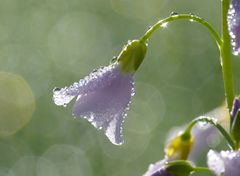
(214, 122)
(225, 52)
(202, 169)
(188, 17)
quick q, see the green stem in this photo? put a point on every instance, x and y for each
(212, 121)
(202, 169)
(188, 17)
(225, 52)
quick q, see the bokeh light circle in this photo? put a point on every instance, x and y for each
(134, 146)
(78, 42)
(30, 62)
(147, 109)
(17, 103)
(138, 9)
(69, 160)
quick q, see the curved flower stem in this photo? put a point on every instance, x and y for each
(212, 121)
(225, 52)
(188, 17)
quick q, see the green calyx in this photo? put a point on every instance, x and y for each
(180, 168)
(132, 56)
(183, 168)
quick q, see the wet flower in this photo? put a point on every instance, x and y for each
(103, 97)
(205, 135)
(176, 151)
(225, 163)
(234, 25)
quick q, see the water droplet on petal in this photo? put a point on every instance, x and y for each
(234, 25)
(56, 89)
(203, 123)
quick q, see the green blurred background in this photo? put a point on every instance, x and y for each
(49, 43)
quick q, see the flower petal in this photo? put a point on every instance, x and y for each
(234, 25)
(215, 162)
(103, 99)
(225, 162)
(106, 107)
(235, 108)
(94, 81)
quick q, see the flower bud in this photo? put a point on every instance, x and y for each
(179, 147)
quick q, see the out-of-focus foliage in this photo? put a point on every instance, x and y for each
(51, 43)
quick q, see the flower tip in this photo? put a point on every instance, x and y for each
(60, 97)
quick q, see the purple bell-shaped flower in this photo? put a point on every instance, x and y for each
(103, 97)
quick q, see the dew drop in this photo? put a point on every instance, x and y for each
(164, 25)
(191, 14)
(114, 59)
(203, 123)
(94, 70)
(60, 97)
(221, 63)
(173, 14)
(149, 27)
(56, 89)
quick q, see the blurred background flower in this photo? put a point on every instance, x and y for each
(51, 43)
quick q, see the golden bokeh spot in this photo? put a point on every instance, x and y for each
(17, 103)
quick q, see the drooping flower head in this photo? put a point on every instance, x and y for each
(103, 97)
(234, 25)
(225, 163)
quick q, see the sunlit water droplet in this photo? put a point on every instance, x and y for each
(114, 59)
(173, 14)
(164, 25)
(202, 123)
